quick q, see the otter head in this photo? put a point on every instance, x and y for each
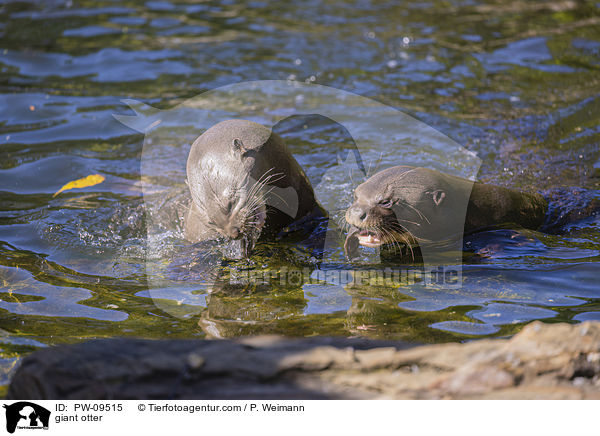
(234, 207)
(229, 183)
(403, 206)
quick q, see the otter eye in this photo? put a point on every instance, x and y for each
(386, 203)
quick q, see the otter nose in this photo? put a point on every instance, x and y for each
(358, 213)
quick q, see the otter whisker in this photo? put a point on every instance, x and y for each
(278, 196)
(394, 237)
(406, 173)
(266, 178)
(395, 243)
(255, 204)
(262, 182)
(409, 245)
(409, 222)
(369, 168)
(379, 162)
(254, 208)
(396, 220)
(398, 235)
(421, 215)
(342, 223)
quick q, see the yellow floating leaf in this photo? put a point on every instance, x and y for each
(90, 180)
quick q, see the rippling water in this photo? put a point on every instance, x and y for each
(516, 83)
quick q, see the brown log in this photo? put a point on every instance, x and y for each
(542, 361)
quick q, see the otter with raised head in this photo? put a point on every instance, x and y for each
(408, 206)
(244, 185)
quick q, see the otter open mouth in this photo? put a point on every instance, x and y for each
(356, 237)
(368, 238)
(364, 237)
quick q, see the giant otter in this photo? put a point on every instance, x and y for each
(409, 206)
(244, 185)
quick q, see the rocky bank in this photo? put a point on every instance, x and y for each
(543, 361)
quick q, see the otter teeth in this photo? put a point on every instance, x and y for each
(368, 239)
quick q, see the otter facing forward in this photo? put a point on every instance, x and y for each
(244, 184)
(405, 205)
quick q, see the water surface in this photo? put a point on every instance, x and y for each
(516, 83)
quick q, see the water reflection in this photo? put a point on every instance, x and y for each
(515, 83)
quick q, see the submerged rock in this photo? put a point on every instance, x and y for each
(558, 361)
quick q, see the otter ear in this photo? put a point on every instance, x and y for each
(238, 147)
(438, 196)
